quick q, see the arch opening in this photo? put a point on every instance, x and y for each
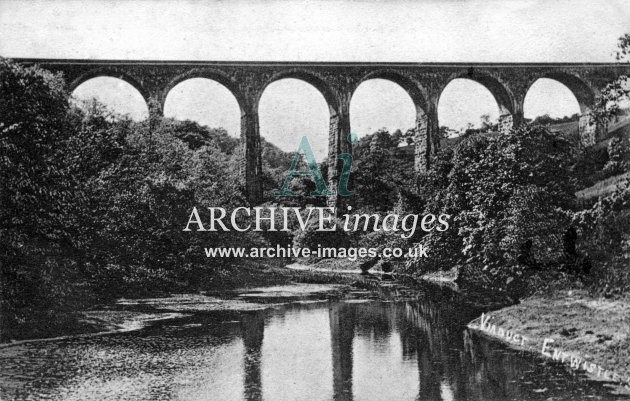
(584, 95)
(549, 101)
(417, 94)
(468, 104)
(381, 104)
(383, 115)
(119, 96)
(206, 102)
(288, 110)
(312, 80)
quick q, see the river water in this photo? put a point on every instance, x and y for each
(347, 349)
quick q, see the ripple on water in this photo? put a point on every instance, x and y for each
(361, 349)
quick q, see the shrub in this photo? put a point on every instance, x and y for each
(616, 154)
(604, 234)
(504, 192)
(36, 192)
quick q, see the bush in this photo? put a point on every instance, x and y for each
(604, 234)
(616, 163)
(36, 193)
(93, 204)
(505, 192)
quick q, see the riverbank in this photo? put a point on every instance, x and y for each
(131, 314)
(587, 333)
(90, 315)
(253, 286)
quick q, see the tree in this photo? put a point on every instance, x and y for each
(623, 46)
(36, 192)
(380, 169)
(615, 94)
(616, 163)
(502, 191)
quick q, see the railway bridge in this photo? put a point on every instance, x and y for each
(424, 82)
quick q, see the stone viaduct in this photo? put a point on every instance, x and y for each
(424, 82)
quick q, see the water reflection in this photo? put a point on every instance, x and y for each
(253, 331)
(342, 318)
(331, 350)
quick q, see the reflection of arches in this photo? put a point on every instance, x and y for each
(342, 320)
(112, 73)
(212, 75)
(414, 89)
(378, 103)
(310, 78)
(253, 332)
(463, 101)
(500, 92)
(205, 101)
(118, 95)
(583, 93)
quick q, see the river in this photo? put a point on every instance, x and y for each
(352, 348)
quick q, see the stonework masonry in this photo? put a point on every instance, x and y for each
(424, 82)
(506, 123)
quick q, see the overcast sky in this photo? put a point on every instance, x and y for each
(465, 31)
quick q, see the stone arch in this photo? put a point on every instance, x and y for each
(417, 93)
(212, 75)
(582, 91)
(426, 140)
(381, 103)
(498, 89)
(111, 73)
(289, 109)
(309, 77)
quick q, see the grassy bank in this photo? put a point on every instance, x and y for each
(596, 330)
(603, 187)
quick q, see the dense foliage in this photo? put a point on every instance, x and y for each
(605, 236)
(615, 96)
(382, 179)
(93, 204)
(36, 192)
(382, 168)
(510, 197)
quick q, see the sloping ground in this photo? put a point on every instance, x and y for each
(604, 187)
(594, 329)
(622, 122)
(569, 129)
(620, 129)
(620, 126)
